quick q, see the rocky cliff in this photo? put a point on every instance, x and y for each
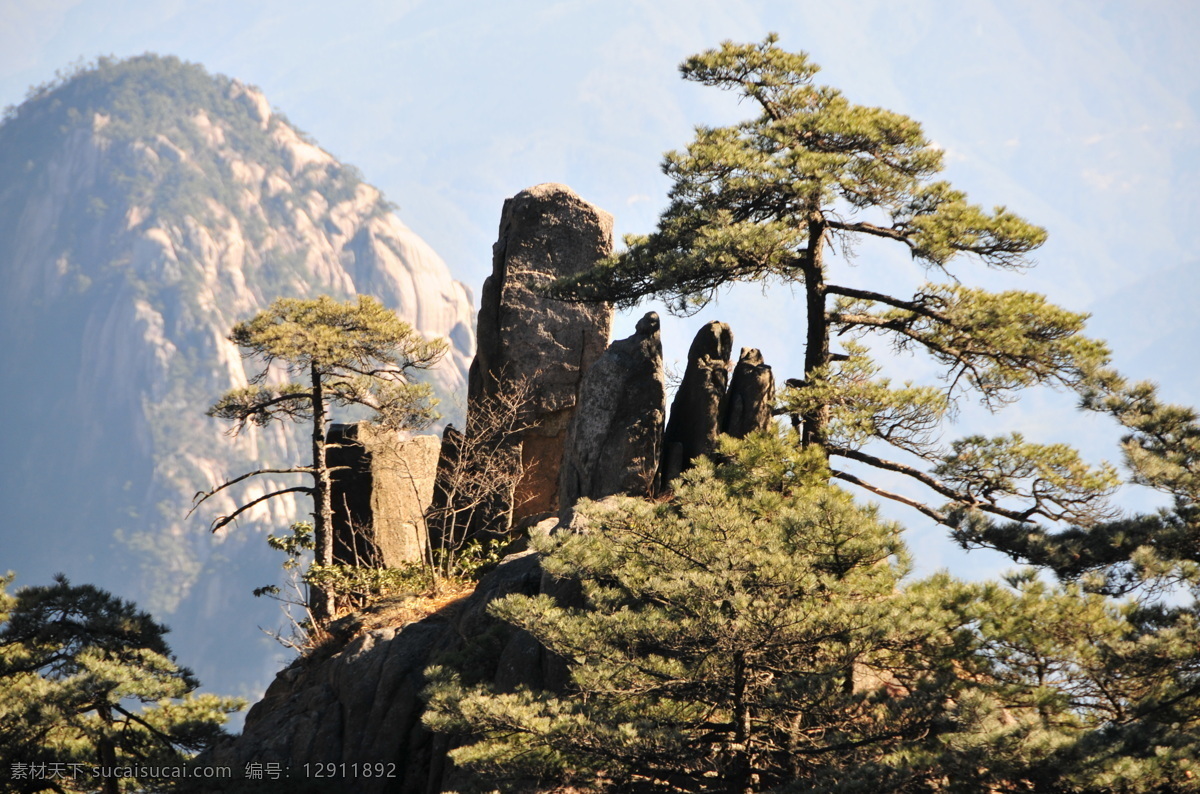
(145, 207)
(355, 701)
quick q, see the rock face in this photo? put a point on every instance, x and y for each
(380, 494)
(546, 233)
(362, 704)
(696, 411)
(750, 402)
(615, 439)
(145, 207)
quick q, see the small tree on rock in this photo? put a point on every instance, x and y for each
(356, 353)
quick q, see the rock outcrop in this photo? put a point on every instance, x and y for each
(546, 232)
(750, 401)
(381, 488)
(696, 411)
(615, 439)
(361, 704)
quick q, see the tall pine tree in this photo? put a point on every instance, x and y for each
(771, 198)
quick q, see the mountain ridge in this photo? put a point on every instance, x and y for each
(145, 207)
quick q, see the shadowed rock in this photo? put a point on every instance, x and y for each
(357, 700)
(695, 420)
(750, 402)
(381, 489)
(616, 436)
(546, 233)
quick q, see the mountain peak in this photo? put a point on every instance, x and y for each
(145, 207)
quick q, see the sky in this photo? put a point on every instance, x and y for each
(1080, 115)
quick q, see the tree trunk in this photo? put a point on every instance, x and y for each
(741, 780)
(816, 349)
(320, 600)
(107, 752)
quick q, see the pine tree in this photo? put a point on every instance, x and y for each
(756, 634)
(749, 633)
(87, 680)
(341, 354)
(770, 198)
(1145, 673)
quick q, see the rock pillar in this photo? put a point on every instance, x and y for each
(381, 490)
(750, 402)
(546, 233)
(616, 434)
(695, 419)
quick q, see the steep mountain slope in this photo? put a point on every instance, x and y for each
(145, 207)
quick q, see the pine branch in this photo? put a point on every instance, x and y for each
(929, 481)
(936, 515)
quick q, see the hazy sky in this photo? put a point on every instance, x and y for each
(1082, 116)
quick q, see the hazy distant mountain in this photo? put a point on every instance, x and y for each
(145, 207)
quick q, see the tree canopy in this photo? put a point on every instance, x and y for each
(757, 633)
(773, 197)
(357, 353)
(87, 680)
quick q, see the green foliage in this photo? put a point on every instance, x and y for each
(744, 196)
(1149, 555)
(756, 634)
(360, 586)
(769, 198)
(717, 640)
(294, 544)
(357, 352)
(353, 354)
(363, 585)
(471, 561)
(86, 678)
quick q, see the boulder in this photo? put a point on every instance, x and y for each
(750, 402)
(546, 233)
(615, 438)
(380, 491)
(695, 420)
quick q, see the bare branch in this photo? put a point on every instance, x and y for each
(872, 229)
(226, 520)
(936, 515)
(202, 496)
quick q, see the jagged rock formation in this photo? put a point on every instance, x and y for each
(145, 207)
(696, 411)
(546, 232)
(382, 485)
(615, 438)
(362, 705)
(750, 401)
